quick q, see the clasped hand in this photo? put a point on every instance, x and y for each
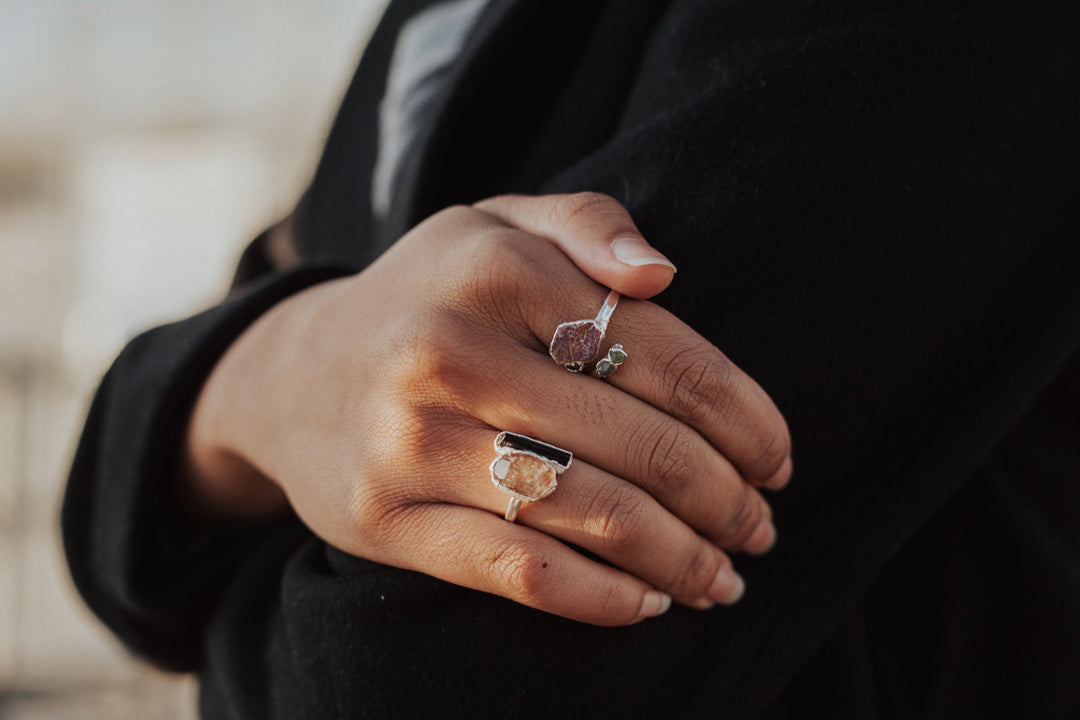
(369, 404)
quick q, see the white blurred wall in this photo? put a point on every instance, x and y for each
(142, 144)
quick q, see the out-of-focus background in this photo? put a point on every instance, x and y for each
(142, 144)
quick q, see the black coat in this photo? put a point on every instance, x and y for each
(874, 209)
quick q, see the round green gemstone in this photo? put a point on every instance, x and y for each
(604, 368)
(617, 356)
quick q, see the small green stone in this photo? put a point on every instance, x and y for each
(616, 356)
(604, 368)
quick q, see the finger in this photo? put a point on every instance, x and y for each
(476, 549)
(680, 467)
(626, 526)
(630, 439)
(596, 232)
(675, 370)
(679, 372)
(671, 366)
(613, 519)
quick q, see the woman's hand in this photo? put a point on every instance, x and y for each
(371, 403)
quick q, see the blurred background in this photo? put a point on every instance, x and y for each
(142, 144)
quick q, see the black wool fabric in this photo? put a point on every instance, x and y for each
(873, 208)
(150, 577)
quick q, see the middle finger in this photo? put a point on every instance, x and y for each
(627, 438)
(607, 516)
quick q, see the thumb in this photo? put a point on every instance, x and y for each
(595, 231)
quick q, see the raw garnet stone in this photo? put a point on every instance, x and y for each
(576, 343)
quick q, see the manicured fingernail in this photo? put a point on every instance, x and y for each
(762, 539)
(727, 588)
(636, 252)
(655, 603)
(737, 593)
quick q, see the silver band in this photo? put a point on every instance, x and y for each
(604, 316)
(512, 510)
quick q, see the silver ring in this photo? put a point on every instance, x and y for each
(525, 469)
(575, 344)
(615, 357)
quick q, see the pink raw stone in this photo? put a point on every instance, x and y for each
(524, 475)
(576, 342)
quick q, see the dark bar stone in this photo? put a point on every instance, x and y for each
(524, 443)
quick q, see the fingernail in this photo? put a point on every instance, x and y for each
(636, 252)
(655, 603)
(727, 588)
(737, 593)
(762, 539)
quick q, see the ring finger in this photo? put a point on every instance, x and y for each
(628, 438)
(611, 518)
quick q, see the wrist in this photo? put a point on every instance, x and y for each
(218, 483)
(236, 419)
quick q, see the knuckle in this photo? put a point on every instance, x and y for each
(492, 257)
(739, 518)
(363, 509)
(456, 214)
(700, 382)
(411, 437)
(373, 512)
(773, 450)
(520, 568)
(695, 574)
(615, 514)
(668, 463)
(379, 479)
(446, 222)
(433, 362)
(612, 607)
(576, 207)
(494, 269)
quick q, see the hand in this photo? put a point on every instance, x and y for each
(371, 402)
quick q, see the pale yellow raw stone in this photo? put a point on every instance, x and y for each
(525, 475)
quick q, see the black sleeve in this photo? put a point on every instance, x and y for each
(150, 577)
(874, 211)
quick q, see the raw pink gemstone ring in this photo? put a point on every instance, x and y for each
(525, 469)
(576, 344)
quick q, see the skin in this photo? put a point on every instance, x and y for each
(369, 405)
